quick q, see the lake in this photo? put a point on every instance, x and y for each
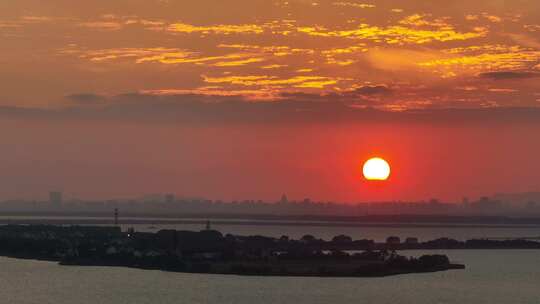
(375, 233)
(495, 276)
(296, 229)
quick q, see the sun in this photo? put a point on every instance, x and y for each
(376, 169)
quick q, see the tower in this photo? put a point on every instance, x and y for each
(116, 216)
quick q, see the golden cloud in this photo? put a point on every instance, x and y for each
(265, 80)
(237, 62)
(274, 66)
(274, 50)
(419, 20)
(395, 34)
(137, 54)
(258, 94)
(357, 5)
(487, 58)
(164, 56)
(216, 29)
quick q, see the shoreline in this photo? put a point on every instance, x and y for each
(211, 252)
(386, 272)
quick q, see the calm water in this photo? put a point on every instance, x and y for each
(492, 277)
(374, 233)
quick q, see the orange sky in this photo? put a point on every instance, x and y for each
(324, 83)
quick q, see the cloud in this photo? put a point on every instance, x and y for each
(273, 66)
(492, 18)
(373, 90)
(525, 40)
(420, 20)
(164, 56)
(243, 55)
(509, 75)
(357, 5)
(138, 55)
(102, 25)
(86, 98)
(225, 29)
(237, 62)
(396, 34)
(483, 58)
(194, 109)
(265, 81)
(37, 19)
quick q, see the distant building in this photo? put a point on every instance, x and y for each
(393, 240)
(170, 198)
(486, 204)
(284, 199)
(55, 197)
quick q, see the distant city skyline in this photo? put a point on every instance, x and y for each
(167, 204)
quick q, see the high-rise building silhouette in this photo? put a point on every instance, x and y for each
(55, 197)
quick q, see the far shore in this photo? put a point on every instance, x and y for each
(376, 221)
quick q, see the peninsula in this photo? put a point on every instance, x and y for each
(209, 251)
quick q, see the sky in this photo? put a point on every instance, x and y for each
(250, 99)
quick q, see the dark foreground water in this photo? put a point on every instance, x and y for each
(493, 277)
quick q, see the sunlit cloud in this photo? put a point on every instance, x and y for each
(28, 20)
(486, 58)
(164, 56)
(250, 95)
(502, 90)
(419, 20)
(395, 34)
(352, 4)
(532, 27)
(138, 55)
(341, 56)
(360, 48)
(9, 25)
(273, 50)
(237, 62)
(36, 19)
(216, 29)
(427, 56)
(274, 66)
(492, 18)
(316, 82)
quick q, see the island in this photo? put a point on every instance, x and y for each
(209, 251)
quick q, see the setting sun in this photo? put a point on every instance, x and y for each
(376, 169)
